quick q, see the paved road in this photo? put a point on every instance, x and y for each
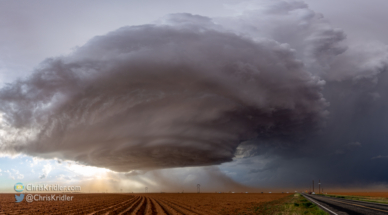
(336, 206)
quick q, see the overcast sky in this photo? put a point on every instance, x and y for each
(168, 94)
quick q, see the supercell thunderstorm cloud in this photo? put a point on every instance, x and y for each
(277, 80)
(162, 96)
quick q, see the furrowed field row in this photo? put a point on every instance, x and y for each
(139, 204)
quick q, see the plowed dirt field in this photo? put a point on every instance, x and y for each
(148, 204)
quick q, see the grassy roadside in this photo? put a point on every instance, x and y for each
(291, 205)
(381, 200)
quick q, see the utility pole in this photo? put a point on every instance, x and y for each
(319, 183)
(198, 188)
(313, 186)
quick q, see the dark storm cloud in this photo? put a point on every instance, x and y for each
(195, 91)
(356, 80)
(161, 96)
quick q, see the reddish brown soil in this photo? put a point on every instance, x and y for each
(148, 204)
